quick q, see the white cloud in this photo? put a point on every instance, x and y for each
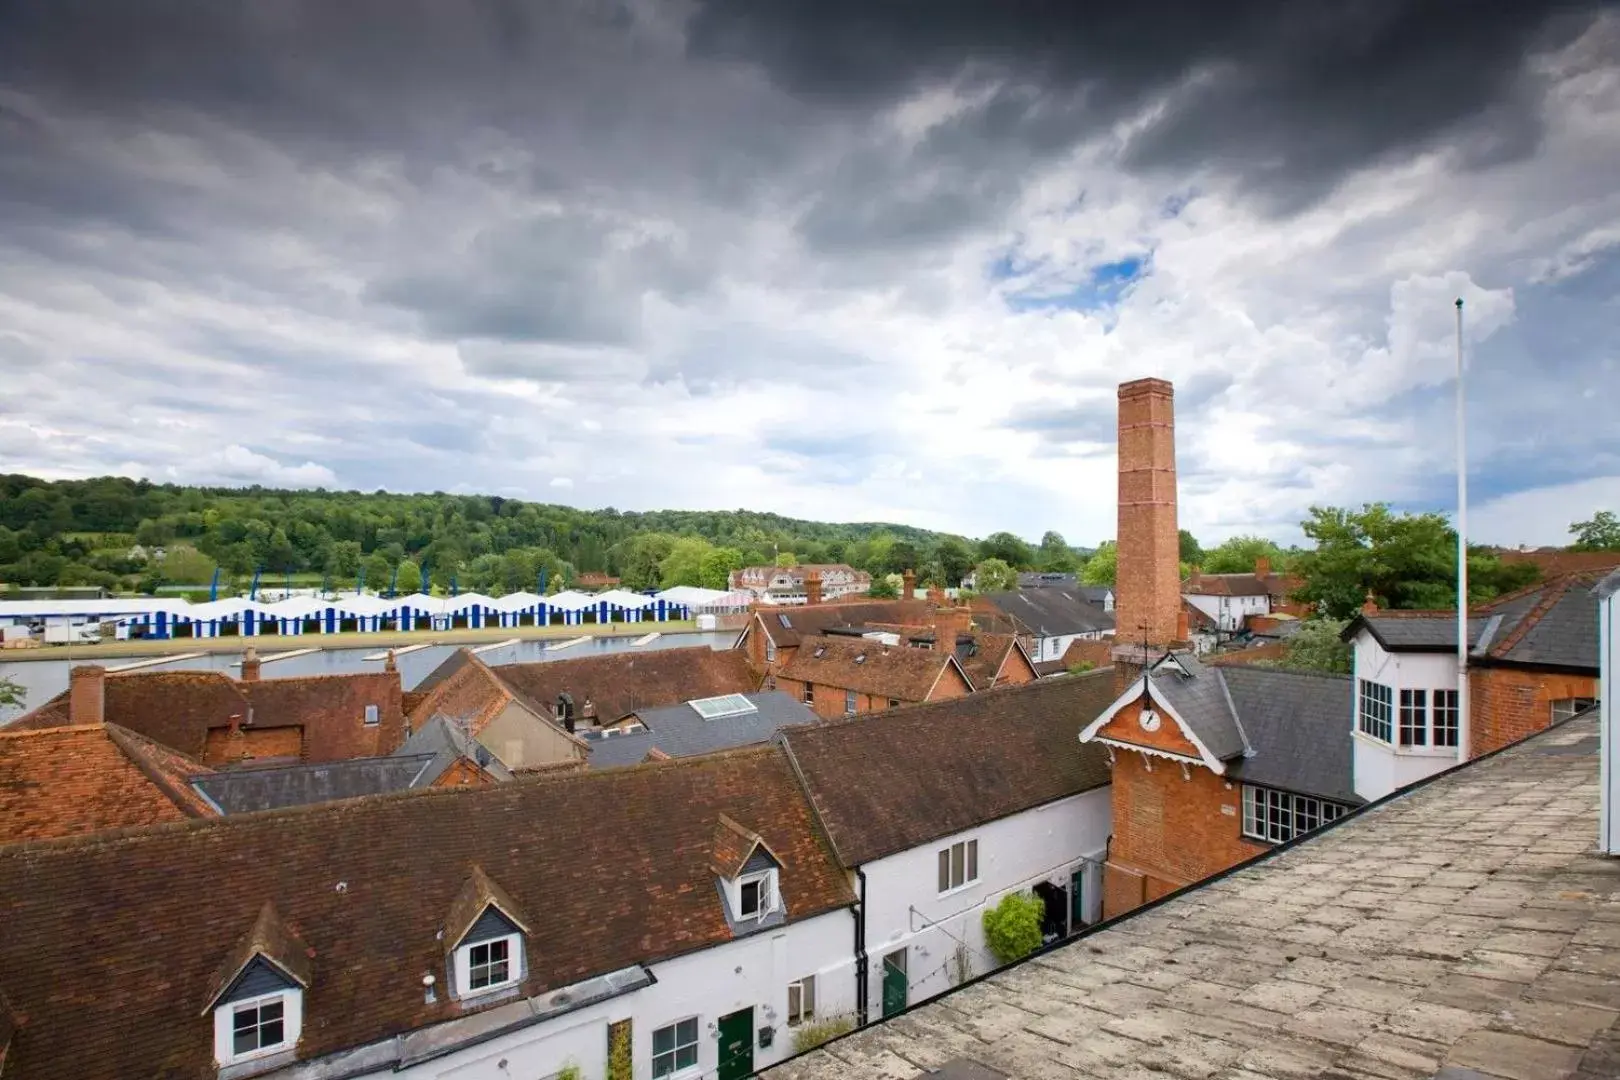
(238, 464)
(1541, 516)
(561, 482)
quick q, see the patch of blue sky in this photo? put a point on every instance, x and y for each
(1102, 289)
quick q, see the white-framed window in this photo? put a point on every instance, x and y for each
(257, 1026)
(801, 1001)
(1376, 715)
(756, 895)
(809, 693)
(1414, 718)
(770, 651)
(492, 964)
(1443, 717)
(849, 703)
(958, 865)
(675, 1048)
(1278, 816)
(373, 716)
(1565, 708)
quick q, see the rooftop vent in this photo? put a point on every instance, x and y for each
(861, 658)
(821, 650)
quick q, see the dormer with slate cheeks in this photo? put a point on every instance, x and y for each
(485, 936)
(257, 999)
(748, 877)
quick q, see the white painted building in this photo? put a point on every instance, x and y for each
(926, 919)
(1229, 612)
(1608, 593)
(1405, 726)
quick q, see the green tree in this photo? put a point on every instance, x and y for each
(644, 555)
(183, 564)
(1009, 549)
(378, 571)
(1100, 568)
(11, 693)
(343, 559)
(717, 567)
(786, 559)
(1406, 561)
(994, 575)
(1055, 556)
(883, 588)
(684, 563)
(955, 559)
(1239, 554)
(1317, 647)
(409, 577)
(1012, 929)
(1191, 552)
(1601, 533)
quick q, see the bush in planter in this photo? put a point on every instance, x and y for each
(811, 1035)
(1012, 928)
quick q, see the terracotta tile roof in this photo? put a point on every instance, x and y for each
(1557, 561)
(733, 845)
(882, 785)
(178, 708)
(478, 893)
(981, 654)
(170, 770)
(622, 682)
(902, 672)
(466, 690)
(270, 938)
(1097, 652)
(71, 781)
(788, 625)
(367, 885)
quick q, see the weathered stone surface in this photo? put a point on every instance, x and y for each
(1515, 1057)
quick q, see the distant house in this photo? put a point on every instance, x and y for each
(838, 676)
(1533, 662)
(1230, 600)
(1050, 618)
(772, 636)
(697, 727)
(795, 584)
(593, 581)
(219, 721)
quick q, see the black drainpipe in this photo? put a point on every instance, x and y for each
(861, 989)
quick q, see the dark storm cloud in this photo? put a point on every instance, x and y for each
(1287, 96)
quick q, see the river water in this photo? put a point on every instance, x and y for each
(44, 679)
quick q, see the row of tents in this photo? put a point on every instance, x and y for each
(364, 613)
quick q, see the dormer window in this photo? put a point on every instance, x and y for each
(748, 876)
(751, 895)
(373, 715)
(258, 998)
(487, 934)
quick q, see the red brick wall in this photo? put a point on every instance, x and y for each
(1148, 587)
(1015, 670)
(1126, 727)
(1506, 705)
(950, 685)
(252, 743)
(463, 772)
(1169, 830)
(829, 702)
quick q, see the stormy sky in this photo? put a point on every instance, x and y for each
(842, 259)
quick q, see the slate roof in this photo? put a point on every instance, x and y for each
(678, 730)
(789, 625)
(869, 667)
(883, 785)
(1453, 931)
(238, 791)
(1550, 624)
(1608, 586)
(447, 743)
(1276, 727)
(71, 781)
(179, 708)
(1053, 612)
(367, 885)
(1298, 723)
(621, 683)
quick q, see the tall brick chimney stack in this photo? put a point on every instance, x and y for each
(949, 624)
(87, 694)
(250, 665)
(908, 587)
(1147, 589)
(812, 586)
(1262, 567)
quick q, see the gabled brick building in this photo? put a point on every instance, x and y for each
(839, 676)
(773, 634)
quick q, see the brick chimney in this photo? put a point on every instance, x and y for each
(949, 624)
(1262, 567)
(235, 740)
(812, 586)
(250, 665)
(1369, 606)
(908, 585)
(1147, 590)
(389, 664)
(87, 694)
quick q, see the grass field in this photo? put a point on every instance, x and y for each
(392, 639)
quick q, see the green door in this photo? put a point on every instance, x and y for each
(894, 982)
(737, 1045)
(1077, 903)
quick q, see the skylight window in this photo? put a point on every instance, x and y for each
(713, 708)
(783, 619)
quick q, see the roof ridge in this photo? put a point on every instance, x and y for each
(13, 732)
(911, 709)
(1554, 591)
(1306, 672)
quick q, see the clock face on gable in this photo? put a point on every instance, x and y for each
(1149, 720)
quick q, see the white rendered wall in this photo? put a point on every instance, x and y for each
(753, 971)
(1014, 853)
(1380, 768)
(1609, 719)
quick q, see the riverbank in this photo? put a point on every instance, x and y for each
(386, 639)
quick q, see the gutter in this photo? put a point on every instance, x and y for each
(862, 963)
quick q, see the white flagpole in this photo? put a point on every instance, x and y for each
(1464, 731)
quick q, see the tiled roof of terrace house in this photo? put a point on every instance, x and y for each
(71, 781)
(870, 667)
(1461, 930)
(790, 625)
(887, 784)
(360, 895)
(621, 683)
